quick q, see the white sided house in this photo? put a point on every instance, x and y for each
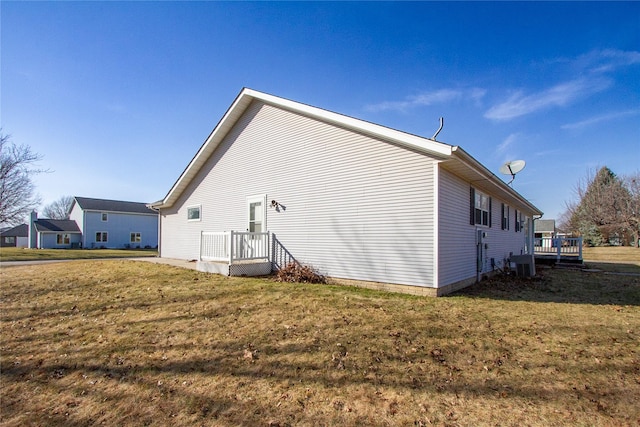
(278, 181)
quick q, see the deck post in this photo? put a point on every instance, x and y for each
(200, 250)
(580, 247)
(231, 239)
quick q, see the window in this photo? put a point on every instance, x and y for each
(257, 217)
(101, 236)
(63, 239)
(136, 238)
(505, 217)
(518, 221)
(105, 217)
(10, 240)
(480, 208)
(193, 213)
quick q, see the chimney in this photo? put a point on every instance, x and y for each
(33, 235)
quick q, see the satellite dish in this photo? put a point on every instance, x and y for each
(512, 168)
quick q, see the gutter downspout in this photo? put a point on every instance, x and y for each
(159, 242)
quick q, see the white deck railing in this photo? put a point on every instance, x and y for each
(558, 246)
(233, 246)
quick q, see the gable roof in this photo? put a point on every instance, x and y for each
(544, 226)
(104, 205)
(56, 226)
(454, 158)
(21, 230)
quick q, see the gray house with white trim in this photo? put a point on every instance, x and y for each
(278, 180)
(15, 237)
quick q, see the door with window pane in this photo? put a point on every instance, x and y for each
(256, 214)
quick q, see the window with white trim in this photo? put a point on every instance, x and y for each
(63, 239)
(256, 214)
(480, 206)
(101, 236)
(505, 217)
(519, 221)
(136, 238)
(193, 213)
(105, 217)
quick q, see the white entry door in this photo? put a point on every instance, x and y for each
(256, 214)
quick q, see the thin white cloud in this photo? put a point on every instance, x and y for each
(606, 60)
(441, 96)
(594, 68)
(509, 140)
(597, 119)
(546, 153)
(559, 95)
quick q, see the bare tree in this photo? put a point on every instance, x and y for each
(630, 212)
(17, 192)
(60, 209)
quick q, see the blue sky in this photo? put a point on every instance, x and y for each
(118, 96)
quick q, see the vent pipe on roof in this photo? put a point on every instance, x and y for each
(439, 129)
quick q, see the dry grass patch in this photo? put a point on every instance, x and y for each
(130, 343)
(25, 254)
(623, 254)
(622, 259)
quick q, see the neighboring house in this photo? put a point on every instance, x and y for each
(98, 223)
(53, 233)
(15, 237)
(544, 228)
(114, 223)
(351, 198)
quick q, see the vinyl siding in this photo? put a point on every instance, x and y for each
(457, 238)
(352, 206)
(76, 215)
(119, 227)
(50, 240)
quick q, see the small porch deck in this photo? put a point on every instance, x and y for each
(235, 253)
(558, 250)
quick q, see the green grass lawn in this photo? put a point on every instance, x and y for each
(23, 254)
(129, 343)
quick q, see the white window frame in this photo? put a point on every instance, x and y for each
(485, 214)
(505, 216)
(63, 239)
(104, 216)
(104, 237)
(262, 198)
(199, 208)
(135, 237)
(519, 224)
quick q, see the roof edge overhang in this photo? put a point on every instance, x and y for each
(244, 99)
(487, 180)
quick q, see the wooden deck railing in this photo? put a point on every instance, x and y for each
(233, 246)
(558, 246)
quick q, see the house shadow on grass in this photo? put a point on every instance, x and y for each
(613, 285)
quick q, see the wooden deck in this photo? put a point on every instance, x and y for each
(549, 250)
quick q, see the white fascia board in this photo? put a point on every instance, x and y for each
(403, 138)
(244, 99)
(121, 212)
(485, 173)
(210, 144)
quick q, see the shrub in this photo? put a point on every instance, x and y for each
(298, 273)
